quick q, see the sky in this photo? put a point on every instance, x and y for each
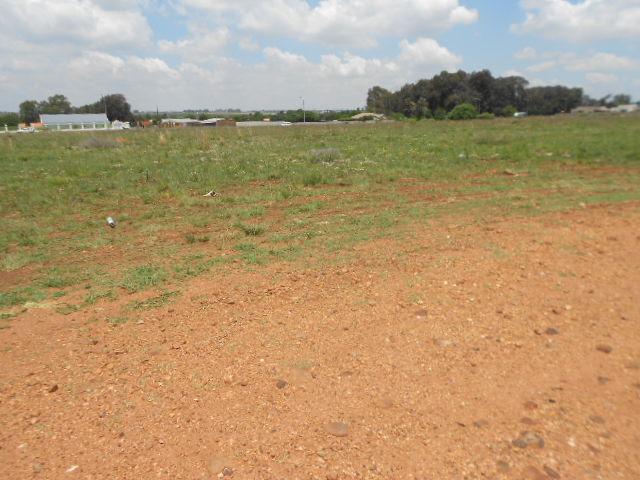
(271, 54)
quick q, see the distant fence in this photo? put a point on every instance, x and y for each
(60, 127)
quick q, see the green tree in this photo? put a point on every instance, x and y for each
(379, 100)
(9, 118)
(55, 104)
(29, 111)
(464, 111)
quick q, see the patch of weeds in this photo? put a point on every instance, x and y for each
(141, 278)
(324, 155)
(154, 302)
(285, 193)
(308, 208)
(191, 238)
(7, 316)
(20, 296)
(58, 294)
(253, 212)
(96, 295)
(311, 179)
(119, 320)
(66, 309)
(251, 253)
(98, 142)
(252, 230)
(57, 279)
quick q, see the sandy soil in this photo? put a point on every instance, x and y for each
(508, 350)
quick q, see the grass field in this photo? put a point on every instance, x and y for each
(284, 193)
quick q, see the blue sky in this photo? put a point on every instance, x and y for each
(264, 54)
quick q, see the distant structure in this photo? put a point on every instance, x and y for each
(368, 116)
(600, 109)
(192, 122)
(73, 121)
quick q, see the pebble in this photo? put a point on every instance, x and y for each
(551, 331)
(281, 384)
(72, 468)
(596, 419)
(481, 423)
(421, 314)
(218, 464)
(603, 380)
(54, 388)
(337, 429)
(532, 473)
(227, 472)
(551, 472)
(528, 438)
(604, 348)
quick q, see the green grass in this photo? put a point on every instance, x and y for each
(284, 193)
(154, 302)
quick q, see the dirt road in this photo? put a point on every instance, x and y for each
(508, 350)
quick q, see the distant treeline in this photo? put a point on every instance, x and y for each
(436, 97)
(114, 105)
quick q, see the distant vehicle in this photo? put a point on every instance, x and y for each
(27, 129)
(520, 114)
(118, 125)
(286, 124)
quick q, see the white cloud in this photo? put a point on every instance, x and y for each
(201, 46)
(599, 78)
(92, 22)
(527, 53)
(581, 21)
(602, 61)
(542, 66)
(426, 51)
(351, 23)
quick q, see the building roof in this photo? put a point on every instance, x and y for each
(75, 118)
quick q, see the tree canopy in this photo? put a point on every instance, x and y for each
(115, 105)
(486, 93)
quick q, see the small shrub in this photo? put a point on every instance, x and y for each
(464, 111)
(143, 277)
(440, 114)
(325, 155)
(509, 111)
(311, 179)
(486, 116)
(251, 230)
(98, 142)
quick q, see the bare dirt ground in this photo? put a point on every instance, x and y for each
(506, 350)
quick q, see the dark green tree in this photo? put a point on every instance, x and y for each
(29, 111)
(55, 104)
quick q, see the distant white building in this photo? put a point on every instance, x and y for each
(74, 120)
(632, 107)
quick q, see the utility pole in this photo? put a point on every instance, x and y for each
(304, 113)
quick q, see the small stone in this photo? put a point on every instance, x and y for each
(217, 464)
(604, 348)
(280, 384)
(227, 472)
(421, 314)
(551, 473)
(596, 419)
(337, 429)
(532, 473)
(551, 331)
(529, 405)
(54, 388)
(632, 365)
(481, 423)
(72, 468)
(37, 467)
(528, 438)
(603, 380)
